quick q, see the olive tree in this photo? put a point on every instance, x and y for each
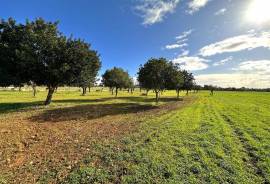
(174, 78)
(116, 78)
(188, 81)
(12, 65)
(89, 72)
(152, 75)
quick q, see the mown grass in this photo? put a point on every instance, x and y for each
(11, 101)
(218, 139)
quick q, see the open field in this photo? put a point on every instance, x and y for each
(96, 138)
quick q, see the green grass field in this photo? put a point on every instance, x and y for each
(223, 138)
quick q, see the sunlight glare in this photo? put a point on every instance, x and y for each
(258, 11)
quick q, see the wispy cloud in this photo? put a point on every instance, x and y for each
(184, 53)
(221, 11)
(238, 43)
(223, 61)
(183, 36)
(180, 40)
(175, 46)
(153, 11)
(191, 63)
(196, 5)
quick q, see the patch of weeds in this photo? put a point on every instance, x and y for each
(3, 180)
(47, 177)
(88, 175)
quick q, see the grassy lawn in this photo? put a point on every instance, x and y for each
(223, 138)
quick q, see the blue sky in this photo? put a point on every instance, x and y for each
(223, 42)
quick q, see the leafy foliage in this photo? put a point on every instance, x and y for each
(116, 78)
(38, 52)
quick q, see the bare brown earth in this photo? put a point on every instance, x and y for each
(38, 141)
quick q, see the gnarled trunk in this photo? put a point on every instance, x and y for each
(49, 96)
(178, 91)
(84, 91)
(116, 92)
(157, 96)
(34, 90)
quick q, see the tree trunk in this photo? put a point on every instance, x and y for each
(187, 93)
(147, 92)
(84, 91)
(20, 88)
(49, 96)
(156, 96)
(89, 89)
(112, 90)
(116, 92)
(178, 91)
(34, 90)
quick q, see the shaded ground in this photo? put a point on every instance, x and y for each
(44, 145)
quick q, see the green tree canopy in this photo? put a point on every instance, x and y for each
(12, 47)
(44, 56)
(116, 78)
(189, 81)
(174, 78)
(152, 75)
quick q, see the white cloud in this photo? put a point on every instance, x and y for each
(196, 5)
(234, 80)
(154, 11)
(222, 62)
(175, 46)
(184, 35)
(184, 53)
(251, 74)
(191, 63)
(238, 43)
(257, 66)
(221, 11)
(180, 40)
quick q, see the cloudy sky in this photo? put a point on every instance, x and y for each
(223, 42)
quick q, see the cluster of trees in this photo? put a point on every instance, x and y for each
(37, 53)
(160, 74)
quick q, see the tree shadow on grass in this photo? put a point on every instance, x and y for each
(88, 112)
(127, 98)
(13, 107)
(149, 100)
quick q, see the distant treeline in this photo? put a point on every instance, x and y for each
(217, 88)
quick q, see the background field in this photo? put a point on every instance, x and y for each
(223, 138)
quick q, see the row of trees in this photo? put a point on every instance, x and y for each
(38, 53)
(160, 74)
(156, 74)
